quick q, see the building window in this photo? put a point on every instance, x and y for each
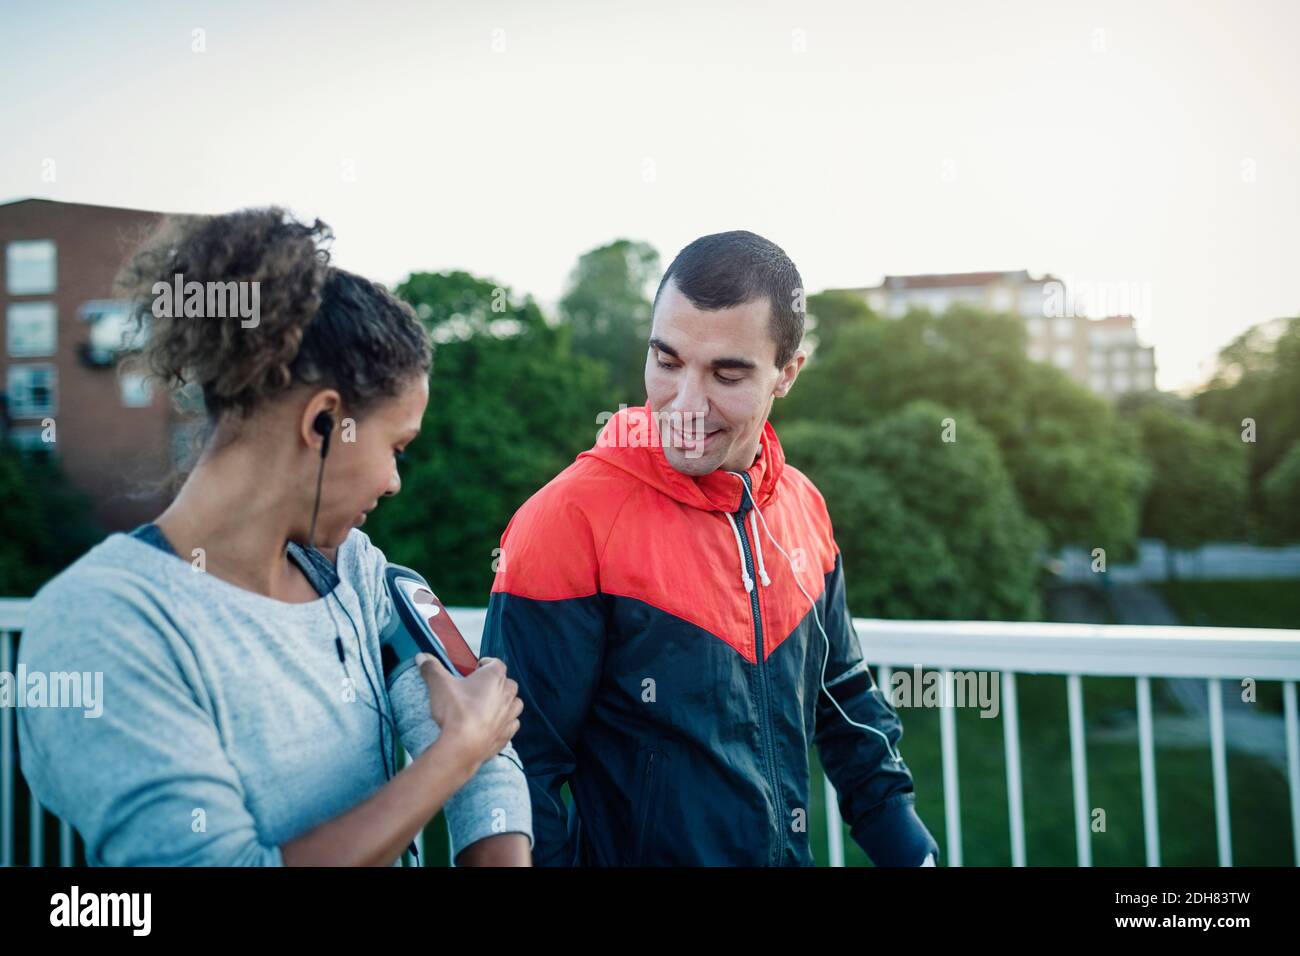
(135, 390)
(1098, 382)
(1096, 359)
(112, 331)
(32, 390)
(1119, 359)
(31, 267)
(31, 328)
(1037, 352)
(1120, 381)
(1031, 302)
(1063, 357)
(1064, 327)
(30, 440)
(1034, 326)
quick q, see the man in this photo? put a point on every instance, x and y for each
(672, 606)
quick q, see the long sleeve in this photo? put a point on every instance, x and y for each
(146, 782)
(876, 796)
(546, 621)
(495, 800)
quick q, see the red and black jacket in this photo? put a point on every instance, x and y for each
(671, 666)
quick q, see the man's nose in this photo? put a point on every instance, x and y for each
(691, 397)
(394, 484)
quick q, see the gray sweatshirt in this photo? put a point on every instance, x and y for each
(226, 725)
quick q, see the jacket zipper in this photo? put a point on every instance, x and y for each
(648, 790)
(769, 749)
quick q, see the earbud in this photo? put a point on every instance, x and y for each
(323, 425)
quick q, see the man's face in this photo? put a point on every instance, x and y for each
(710, 377)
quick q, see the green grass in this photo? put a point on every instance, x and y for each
(1269, 603)
(1258, 799)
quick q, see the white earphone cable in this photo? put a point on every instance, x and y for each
(893, 753)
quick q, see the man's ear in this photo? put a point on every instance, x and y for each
(790, 372)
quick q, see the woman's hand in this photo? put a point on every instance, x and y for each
(479, 713)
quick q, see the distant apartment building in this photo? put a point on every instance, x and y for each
(63, 333)
(1103, 354)
(1117, 361)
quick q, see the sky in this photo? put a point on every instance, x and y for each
(1147, 153)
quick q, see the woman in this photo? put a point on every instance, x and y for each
(243, 721)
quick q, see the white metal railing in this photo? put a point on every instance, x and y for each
(1077, 651)
(1006, 648)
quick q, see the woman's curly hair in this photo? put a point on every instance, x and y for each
(317, 324)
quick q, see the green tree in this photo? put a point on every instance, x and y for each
(1256, 390)
(607, 307)
(832, 312)
(510, 405)
(1074, 463)
(1281, 498)
(928, 527)
(1197, 491)
(47, 524)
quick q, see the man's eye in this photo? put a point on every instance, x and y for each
(728, 381)
(663, 364)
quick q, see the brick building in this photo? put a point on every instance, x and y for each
(59, 371)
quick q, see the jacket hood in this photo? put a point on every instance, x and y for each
(630, 442)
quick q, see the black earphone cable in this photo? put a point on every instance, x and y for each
(323, 425)
(365, 669)
(385, 750)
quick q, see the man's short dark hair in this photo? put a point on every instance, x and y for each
(731, 268)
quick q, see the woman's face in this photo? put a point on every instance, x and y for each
(361, 466)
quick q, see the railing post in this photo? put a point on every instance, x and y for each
(1079, 762)
(419, 837)
(1218, 755)
(951, 789)
(1011, 744)
(36, 833)
(1293, 762)
(67, 844)
(7, 758)
(1147, 752)
(834, 825)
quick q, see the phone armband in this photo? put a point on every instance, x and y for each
(420, 624)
